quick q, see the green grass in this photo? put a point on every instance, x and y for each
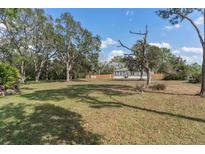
(102, 112)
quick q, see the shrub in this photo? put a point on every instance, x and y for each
(175, 76)
(194, 73)
(159, 86)
(8, 77)
(195, 78)
(140, 88)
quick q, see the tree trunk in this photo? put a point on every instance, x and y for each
(68, 68)
(3, 93)
(23, 71)
(141, 74)
(38, 70)
(2, 90)
(37, 76)
(47, 70)
(202, 93)
(148, 76)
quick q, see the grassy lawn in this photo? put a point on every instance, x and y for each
(96, 112)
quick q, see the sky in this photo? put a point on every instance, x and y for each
(114, 24)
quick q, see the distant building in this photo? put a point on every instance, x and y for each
(124, 73)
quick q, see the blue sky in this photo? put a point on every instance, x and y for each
(114, 24)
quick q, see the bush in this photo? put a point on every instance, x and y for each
(175, 76)
(140, 88)
(195, 73)
(159, 86)
(195, 78)
(8, 77)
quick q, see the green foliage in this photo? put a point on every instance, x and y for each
(176, 15)
(137, 62)
(154, 55)
(175, 76)
(174, 68)
(35, 40)
(8, 76)
(195, 73)
(118, 59)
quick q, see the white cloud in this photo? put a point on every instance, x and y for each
(107, 42)
(199, 21)
(161, 45)
(190, 54)
(192, 59)
(172, 27)
(115, 53)
(176, 52)
(192, 50)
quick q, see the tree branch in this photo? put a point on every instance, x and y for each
(124, 46)
(196, 28)
(131, 32)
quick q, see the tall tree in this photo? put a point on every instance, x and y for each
(17, 31)
(143, 56)
(42, 41)
(176, 16)
(89, 48)
(67, 30)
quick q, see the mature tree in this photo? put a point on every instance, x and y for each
(18, 33)
(141, 54)
(88, 49)
(67, 30)
(176, 16)
(42, 41)
(30, 41)
(76, 45)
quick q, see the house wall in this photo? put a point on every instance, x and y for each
(131, 75)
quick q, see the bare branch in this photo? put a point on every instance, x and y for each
(131, 32)
(124, 46)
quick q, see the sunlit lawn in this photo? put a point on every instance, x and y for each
(96, 112)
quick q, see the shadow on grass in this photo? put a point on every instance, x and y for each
(47, 124)
(76, 92)
(116, 103)
(81, 93)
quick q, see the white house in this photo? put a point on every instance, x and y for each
(124, 73)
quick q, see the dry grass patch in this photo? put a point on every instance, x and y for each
(103, 112)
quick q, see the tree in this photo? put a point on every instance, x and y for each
(176, 16)
(88, 49)
(141, 53)
(42, 41)
(76, 45)
(67, 30)
(32, 42)
(17, 33)
(194, 73)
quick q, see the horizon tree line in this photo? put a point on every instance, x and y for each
(32, 41)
